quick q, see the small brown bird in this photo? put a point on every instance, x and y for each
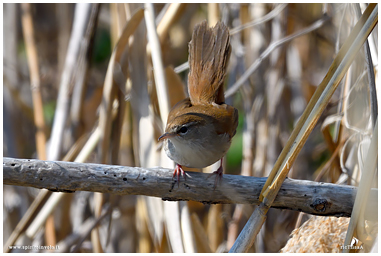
(200, 128)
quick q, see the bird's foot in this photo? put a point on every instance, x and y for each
(179, 172)
(219, 174)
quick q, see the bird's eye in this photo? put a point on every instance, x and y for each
(183, 130)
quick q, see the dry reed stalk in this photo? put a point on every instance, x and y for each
(105, 115)
(248, 132)
(368, 173)
(118, 21)
(95, 236)
(13, 143)
(81, 74)
(64, 19)
(142, 110)
(81, 16)
(143, 236)
(27, 219)
(170, 16)
(77, 104)
(158, 69)
(235, 30)
(305, 125)
(332, 146)
(370, 72)
(215, 226)
(201, 237)
(19, 102)
(269, 50)
(276, 11)
(322, 95)
(44, 194)
(47, 208)
(85, 233)
(213, 14)
(255, 95)
(171, 209)
(177, 93)
(109, 89)
(186, 228)
(28, 31)
(35, 84)
(233, 229)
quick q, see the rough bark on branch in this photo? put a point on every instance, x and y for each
(310, 197)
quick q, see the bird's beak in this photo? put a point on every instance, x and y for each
(166, 136)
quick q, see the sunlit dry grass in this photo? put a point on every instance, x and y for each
(102, 100)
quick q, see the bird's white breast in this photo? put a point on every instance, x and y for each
(198, 152)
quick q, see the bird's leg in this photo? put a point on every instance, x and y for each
(179, 172)
(218, 174)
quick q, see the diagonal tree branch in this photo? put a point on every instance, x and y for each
(310, 197)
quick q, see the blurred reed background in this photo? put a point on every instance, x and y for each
(79, 85)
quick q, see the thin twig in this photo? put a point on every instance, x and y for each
(233, 31)
(87, 232)
(259, 21)
(43, 214)
(234, 88)
(182, 67)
